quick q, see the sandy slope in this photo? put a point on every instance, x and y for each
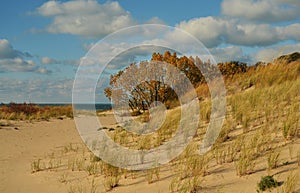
(25, 142)
(31, 141)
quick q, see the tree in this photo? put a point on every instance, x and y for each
(231, 68)
(130, 86)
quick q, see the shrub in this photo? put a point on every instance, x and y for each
(267, 182)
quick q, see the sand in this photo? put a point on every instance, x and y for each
(23, 142)
(19, 147)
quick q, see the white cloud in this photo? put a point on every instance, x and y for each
(243, 23)
(213, 31)
(253, 35)
(290, 32)
(12, 60)
(155, 20)
(269, 54)
(209, 30)
(7, 50)
(262, 10)
(17, 65)
(47, 60)
(21, 65)
(87, 46)
(43, 71)
(230, 53)
(36, 90)
(85, 18)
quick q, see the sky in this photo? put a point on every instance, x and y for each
(43, 42)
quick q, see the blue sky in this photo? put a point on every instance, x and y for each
(42, 42)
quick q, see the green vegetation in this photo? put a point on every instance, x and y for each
(267, 182)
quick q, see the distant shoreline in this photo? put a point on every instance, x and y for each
(81, 106)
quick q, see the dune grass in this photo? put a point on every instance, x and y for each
(262, 119)
(29, 111)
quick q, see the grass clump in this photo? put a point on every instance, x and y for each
(151, 173)
(111, 182)
(36, 166)
(273, 160)
(290, 184)
(298, 158)
(112, 176)
(246, 163)
(266, 183)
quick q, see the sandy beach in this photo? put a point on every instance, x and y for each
(54, 142)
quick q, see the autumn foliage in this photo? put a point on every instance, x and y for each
(228, 69)
(143, 94)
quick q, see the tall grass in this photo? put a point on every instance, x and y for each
(290, 183)
(246, 163)
(273, 160)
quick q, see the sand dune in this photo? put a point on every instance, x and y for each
(23, 143)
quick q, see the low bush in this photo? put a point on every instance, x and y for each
(267, 182)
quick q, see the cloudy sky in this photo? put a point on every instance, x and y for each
(42, 42)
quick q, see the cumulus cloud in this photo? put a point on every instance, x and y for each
(117, 60)
(155, 20)
(87, 46)
(269, 54)
(290, 32)
(36, 90)
(47, 60)
(7, 50)
(17, 65)
(247, 23)
(85, 18)
(209, 30)
(21, 65)
(230, 53)
(262, 10)
(242, 23)
(213, 31)
(12, 60)
(43, 71)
